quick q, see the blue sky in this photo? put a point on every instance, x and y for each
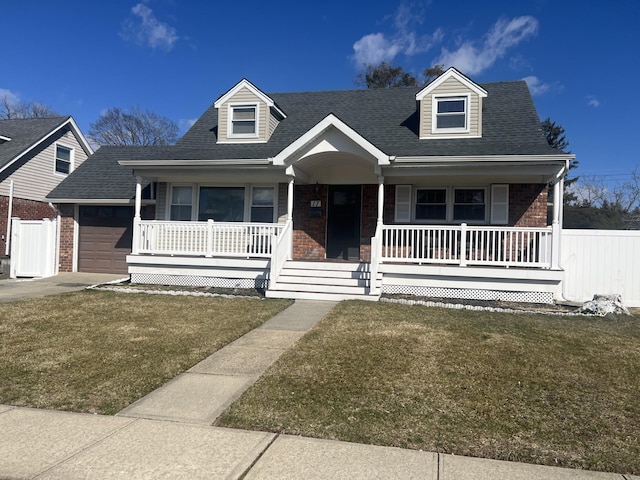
(175, 58)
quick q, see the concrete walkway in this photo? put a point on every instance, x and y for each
(167, 434)
(20, 289)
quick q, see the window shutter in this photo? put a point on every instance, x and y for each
(403, 203)
(500, 204)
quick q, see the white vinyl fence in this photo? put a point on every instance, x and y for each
(33, 248)
(601, 262)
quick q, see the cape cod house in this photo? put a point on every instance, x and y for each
(438, 191)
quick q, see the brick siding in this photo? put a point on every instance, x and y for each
(23, 209)
(67, 225)
(528, 205)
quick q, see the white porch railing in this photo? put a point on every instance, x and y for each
(204, 238)
(281, 252)
(467, 245)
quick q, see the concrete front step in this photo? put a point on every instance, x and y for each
(334, 297)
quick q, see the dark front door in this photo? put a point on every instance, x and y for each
(343, 222)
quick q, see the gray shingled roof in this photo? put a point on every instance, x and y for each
(387, 118)
(24, 133)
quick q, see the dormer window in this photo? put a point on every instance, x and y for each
(243, 120)
(451, 114)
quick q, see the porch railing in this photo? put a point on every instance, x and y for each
(205, 238)
(467, 245)
(281, 252)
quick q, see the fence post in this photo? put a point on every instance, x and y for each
(463, 245)
(209, 238)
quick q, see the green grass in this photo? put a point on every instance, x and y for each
(100, 351)
(558, 391)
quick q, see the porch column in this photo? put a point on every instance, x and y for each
(555, 224)
(380, 200)
(135, 248)
(290, 200)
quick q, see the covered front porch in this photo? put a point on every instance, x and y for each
(331, 216)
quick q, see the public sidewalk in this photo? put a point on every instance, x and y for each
(168, 433)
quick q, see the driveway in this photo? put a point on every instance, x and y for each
(18, 289)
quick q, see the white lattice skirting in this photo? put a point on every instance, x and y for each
(198, 281)
(469, 293)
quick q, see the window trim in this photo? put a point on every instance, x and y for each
(472, 221)
(436, 99)
(170, 200)
(55, 159)
(230, 122)
(273, 205)
(446, 205)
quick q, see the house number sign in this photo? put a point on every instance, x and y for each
(316, 203)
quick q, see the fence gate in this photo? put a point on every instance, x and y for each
(33, 248)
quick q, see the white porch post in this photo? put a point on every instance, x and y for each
(136, 218)
(290, 200)
(555, 224)
(380, 200)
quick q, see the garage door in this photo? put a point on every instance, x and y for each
(104, 238)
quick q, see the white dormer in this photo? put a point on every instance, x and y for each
(451, 107)
(246, 115)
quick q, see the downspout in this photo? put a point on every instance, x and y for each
(10, 212)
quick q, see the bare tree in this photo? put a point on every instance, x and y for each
(133, 127)
(389, 75)
(10, 110)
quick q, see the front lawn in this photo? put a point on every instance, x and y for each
(98, 352)
(551, 390)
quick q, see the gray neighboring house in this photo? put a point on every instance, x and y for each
(36, 154)
(438, 191)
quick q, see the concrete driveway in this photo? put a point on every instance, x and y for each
(18, 289)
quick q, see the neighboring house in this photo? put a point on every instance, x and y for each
(438, 191)
(36, 154)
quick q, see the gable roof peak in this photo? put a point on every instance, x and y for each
(244, 83)
(451, 72)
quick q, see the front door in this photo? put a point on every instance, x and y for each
(343, 222)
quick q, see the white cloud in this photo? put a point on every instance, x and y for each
(592, 101)
(503, 35)
(186, 123)
(148, 30)
(10, 97)
(536, 86)
(374, 48)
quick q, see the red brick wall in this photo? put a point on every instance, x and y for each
(528, 205)
(369, 220)
(309, 233)
(23, 209)
(66, 237)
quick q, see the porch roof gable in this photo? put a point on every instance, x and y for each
(295, 151)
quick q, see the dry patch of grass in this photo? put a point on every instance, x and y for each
(551, 390)
(100, 351)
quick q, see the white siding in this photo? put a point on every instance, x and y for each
(451, 87)
(601, 262)
(35, 178)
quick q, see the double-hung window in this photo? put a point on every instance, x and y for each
(243, 121)
(469, 204)
(181, 203)
(431, 204)
(63, 160)
(451, 114)
(262, 204)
